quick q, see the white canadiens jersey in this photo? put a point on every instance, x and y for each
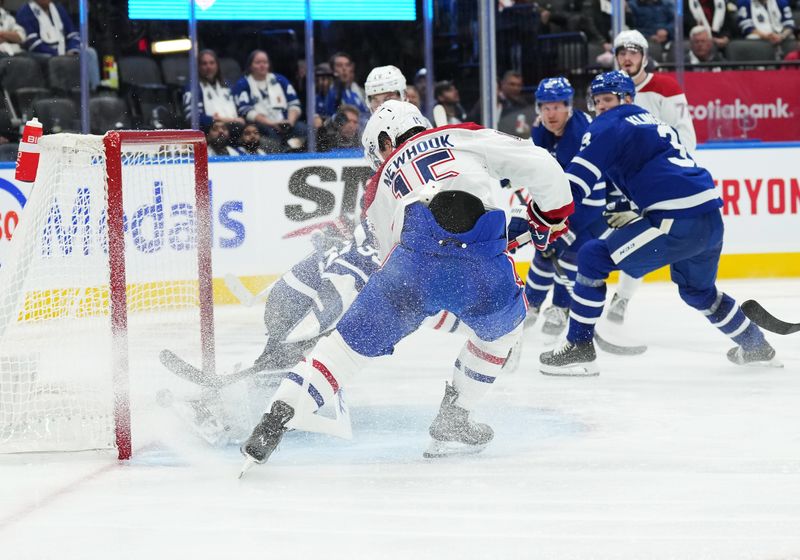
(464, 157)
(661, 96)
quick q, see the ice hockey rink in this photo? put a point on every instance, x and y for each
(672, 454)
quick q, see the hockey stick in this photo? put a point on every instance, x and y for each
(187, 371)
(245, 296)
(761, 317)
(618, 349)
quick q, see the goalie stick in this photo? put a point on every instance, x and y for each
(244, 295)
(187, 371)
(761, 317)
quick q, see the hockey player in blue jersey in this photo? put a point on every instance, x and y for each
(679, 224)
(308, 300)
(559, 131)
(443, 249)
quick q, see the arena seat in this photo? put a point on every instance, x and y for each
(108, 113)
(64, 74)
(142, 85)
(57, 115)
(175, 70)
(750, 50)
(230, 69)
(23, 83)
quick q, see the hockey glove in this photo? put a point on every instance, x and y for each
(560, 245)
(530, 218)
(619, 213)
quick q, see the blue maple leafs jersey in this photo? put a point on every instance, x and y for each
(645, 159)
(564, 148)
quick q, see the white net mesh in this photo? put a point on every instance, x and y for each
(56, 390)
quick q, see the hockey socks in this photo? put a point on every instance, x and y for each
(479, 364)
(728, 317)
(588, 298)
(540, 280)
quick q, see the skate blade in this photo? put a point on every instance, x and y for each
(773, 363)
(439, 449)
(580, 369)
(248, 464)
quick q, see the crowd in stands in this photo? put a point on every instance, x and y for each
(253, 110)
(770, 22)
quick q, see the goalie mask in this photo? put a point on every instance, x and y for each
(384, 80)
(393, 118)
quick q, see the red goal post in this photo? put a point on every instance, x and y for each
(114, 142)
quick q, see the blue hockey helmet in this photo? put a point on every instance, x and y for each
(554, 89)
(616, 82)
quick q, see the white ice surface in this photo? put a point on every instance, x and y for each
(672, 454)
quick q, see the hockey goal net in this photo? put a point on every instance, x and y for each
(109, 264)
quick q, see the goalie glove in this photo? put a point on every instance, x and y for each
(530, 218)
(620, 213)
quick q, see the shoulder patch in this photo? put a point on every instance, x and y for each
(662, 84)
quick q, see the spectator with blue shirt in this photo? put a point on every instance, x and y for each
(216, 100)
(270, 101)
(323, 76)
(654, 18)
(344, 89)
(49, 31)
(767, 20)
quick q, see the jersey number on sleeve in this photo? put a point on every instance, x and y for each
(425, 169)
(683, 159)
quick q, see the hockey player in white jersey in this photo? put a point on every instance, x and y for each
(657, 93)
(663, 98)
(384, 83)
(443, 249)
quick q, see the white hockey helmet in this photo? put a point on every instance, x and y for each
(631, 39)
(385, 79)
(394, 118)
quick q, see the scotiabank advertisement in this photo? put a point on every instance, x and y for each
(756, 105)
(265, 210)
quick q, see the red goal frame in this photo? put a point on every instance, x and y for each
(113, 143)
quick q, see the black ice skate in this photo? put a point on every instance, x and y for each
(266, 435)
(570, 359)
(453, 432)
(616, 310)
(763, 356)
